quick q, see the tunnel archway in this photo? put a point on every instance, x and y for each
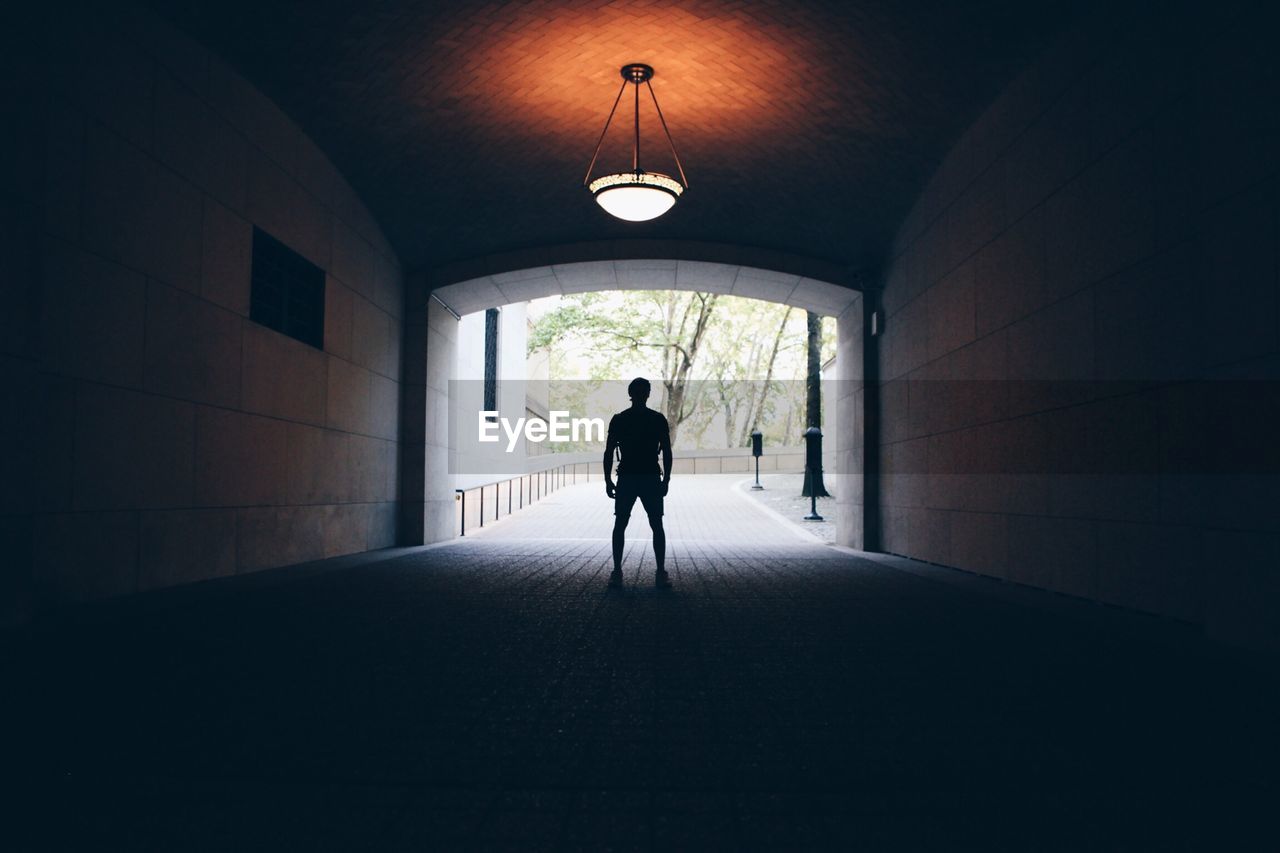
(432, 333)
(789, 288)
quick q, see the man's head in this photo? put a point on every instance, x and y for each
(638, 390)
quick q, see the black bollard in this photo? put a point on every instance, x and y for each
(757, 450)
(813, 471)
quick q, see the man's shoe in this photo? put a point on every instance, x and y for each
(615, 579)
(661, 580)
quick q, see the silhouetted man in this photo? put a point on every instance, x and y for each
(639, 434)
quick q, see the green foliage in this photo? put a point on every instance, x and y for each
(726, 364)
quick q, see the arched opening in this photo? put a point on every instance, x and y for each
(437, 476)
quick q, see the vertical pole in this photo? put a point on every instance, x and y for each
(871, 513)
(813, 497)
(462, 497)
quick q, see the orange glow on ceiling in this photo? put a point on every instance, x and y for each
(548, 71)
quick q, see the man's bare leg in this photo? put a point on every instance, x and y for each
(619, 543)
(659, 550)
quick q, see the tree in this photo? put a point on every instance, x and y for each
(758, 410)
(721, 365)
(623, 328)
(680, 352)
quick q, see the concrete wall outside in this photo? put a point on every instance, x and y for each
(175, 440)
(512, 388)
(1105, 231)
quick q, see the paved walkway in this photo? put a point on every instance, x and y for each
(492, 694)
(781, 494)
(708, 508)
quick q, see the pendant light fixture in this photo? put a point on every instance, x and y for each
(636, 195)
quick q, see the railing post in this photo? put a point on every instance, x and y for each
(462, 499)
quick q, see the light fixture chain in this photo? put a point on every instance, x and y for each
(600, 141)
(635, 151)
(670, 141)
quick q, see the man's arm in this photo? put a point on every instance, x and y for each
(610, 445)
(664, 444)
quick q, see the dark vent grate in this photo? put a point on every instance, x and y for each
(287, 291)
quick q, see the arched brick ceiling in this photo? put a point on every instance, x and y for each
(804, 127)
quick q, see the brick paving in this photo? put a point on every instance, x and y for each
(781, 494)
(702, 508)
(492, 694)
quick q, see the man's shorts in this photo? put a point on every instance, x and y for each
(646, 487)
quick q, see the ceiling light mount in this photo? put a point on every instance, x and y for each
(637, 72)
(637, 195)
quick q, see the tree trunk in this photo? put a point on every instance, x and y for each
(682, 358)
(813, 484)
(813, 377)
(758, 414)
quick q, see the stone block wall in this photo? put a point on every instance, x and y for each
(1083, 329)
(174, 439)
(846, 480)
(430, 353)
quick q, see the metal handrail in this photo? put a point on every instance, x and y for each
(541, 483)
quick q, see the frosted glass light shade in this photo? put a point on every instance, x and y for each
(636, 196)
